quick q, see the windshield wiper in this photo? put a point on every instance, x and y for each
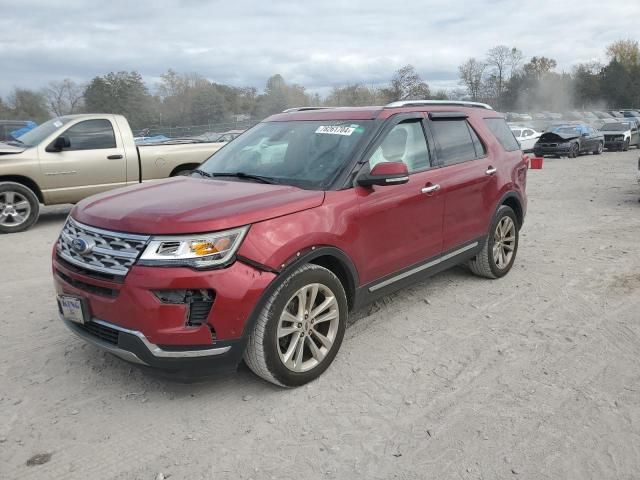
(202, 173)
(259, 178)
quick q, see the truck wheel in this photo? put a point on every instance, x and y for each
(600, 149)
(499, 251)
(300, 329)
(19, 207)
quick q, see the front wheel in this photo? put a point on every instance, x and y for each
(499, 250)
(574, 151)
(19, 207)
(300, 329)
(625, 147)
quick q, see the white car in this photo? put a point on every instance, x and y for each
(526, 136)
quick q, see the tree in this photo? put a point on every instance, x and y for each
(64, 97)
(279, 96)
(587, 83)
(502, 62)
(354, 95)
(625, 52)
(472, 76)
(124, 93)
(406, 84)
(26, 104)
(538, 67)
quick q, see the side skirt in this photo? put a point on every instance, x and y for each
(408, 276)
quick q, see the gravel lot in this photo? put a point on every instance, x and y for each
(533, 376)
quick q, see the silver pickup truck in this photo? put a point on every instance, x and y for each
(69, 158)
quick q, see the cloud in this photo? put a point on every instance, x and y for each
(316, 44)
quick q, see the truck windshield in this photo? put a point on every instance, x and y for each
(38, 134)
(305, 154)
(616, 127)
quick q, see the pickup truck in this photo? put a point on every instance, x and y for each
(70, 158)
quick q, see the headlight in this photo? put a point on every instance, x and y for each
(197, 250)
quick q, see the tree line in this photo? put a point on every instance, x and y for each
(502, 78)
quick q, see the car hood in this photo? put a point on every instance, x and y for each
(181, 205)
(6, 149)
(615, 132)
(556, 137)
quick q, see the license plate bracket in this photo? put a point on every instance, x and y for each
(73, 309)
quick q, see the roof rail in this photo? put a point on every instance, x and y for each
(302, 109)
(445, 103)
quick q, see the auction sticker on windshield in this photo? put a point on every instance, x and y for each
(335, 130)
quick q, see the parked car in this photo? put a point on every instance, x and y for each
(620, 135)
(12, 129)
(527, 137)
(69, 158)
(265, 249)
(615, 113)
(569, 140)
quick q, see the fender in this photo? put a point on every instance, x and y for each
(512, 196)
(306, 256)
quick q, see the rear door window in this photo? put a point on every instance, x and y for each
(455, 141)
(502, 133)
(91, 135)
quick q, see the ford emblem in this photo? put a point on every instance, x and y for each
(82, 245)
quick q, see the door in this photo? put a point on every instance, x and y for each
(401, 225)
(469, 186)
(635, 136)
(93, 162)
(529, 139)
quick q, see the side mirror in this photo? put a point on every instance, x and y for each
(585, 134)
(59, 144)
(385, 173)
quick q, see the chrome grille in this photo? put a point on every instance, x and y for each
(107, 252)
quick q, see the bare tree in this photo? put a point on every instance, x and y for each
(64, 97)
(625, 52)
(471, 76)
(406, 84)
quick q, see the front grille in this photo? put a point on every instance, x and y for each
(87, 287)
(613, 138)
(107, 334)
(97, 250)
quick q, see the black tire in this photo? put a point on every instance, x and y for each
(600, 149)
(574, 150)
(483, 264)
(262, 354)
(625, 147)
(10, 212)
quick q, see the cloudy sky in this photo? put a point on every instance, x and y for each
(315, 43)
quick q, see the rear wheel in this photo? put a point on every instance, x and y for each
(600, 149)
(19, 207)
(499, 250)
(300, 329)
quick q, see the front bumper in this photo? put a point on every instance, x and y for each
(614, 144)
(559, 150)
(127, 319)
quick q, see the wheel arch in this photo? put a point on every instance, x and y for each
(184, 166)
(26, 182)
(512, 200)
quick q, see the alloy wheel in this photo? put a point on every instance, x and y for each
(308, 327)
(504, 242)
(15, 209)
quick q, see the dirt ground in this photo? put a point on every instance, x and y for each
(533, 376)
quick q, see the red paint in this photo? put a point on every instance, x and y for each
(536, 163)
(381, 229)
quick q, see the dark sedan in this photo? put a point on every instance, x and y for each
(569, 141)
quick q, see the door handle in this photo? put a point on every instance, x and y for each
(114, 157)
(431, 188)
(491, 171)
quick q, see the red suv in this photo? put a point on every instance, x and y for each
(262, 252)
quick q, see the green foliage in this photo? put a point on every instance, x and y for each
(25, 104)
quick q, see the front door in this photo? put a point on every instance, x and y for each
(94, 162)
(401, 225)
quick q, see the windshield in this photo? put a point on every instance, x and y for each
(567, 130)
(305, 154)
(38, 134)
(616, 127)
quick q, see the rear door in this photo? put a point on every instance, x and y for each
(401, 225)
(470, 184)
(94, 162)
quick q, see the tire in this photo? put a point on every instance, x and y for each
(625, 147)
(19, 207)
(484, 264)
(574, 151)
(182, 173)
(272, 354)
(600, 149)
